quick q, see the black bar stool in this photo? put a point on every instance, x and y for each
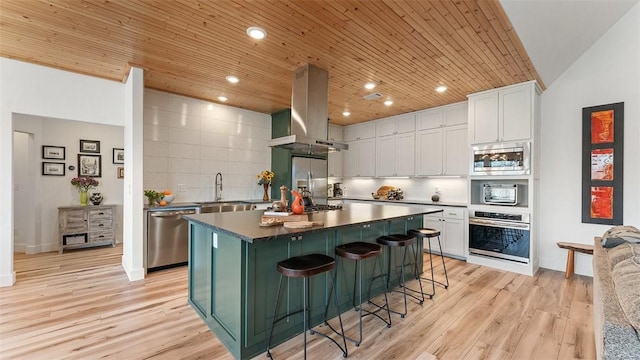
(360, 251)
(406, 242)
(427, 234)
(304, 267)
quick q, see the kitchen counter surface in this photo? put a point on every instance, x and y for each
(245, 224)
(404, 201)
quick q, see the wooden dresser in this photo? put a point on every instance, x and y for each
(86, 226)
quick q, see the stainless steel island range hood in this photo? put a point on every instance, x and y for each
(309, 114)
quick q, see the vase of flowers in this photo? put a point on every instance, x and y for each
(84, 184)
(264, 179)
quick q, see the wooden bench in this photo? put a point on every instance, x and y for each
(573, 247)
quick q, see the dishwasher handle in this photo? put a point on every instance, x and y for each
(166, 214)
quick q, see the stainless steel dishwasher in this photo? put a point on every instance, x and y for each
(167, 237)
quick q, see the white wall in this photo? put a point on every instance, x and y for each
(55, 191)
(187, 141)
(36, 90)
(608, 72)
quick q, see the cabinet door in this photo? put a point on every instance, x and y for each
(429, 119)
(405, 154)
(405, 124)
(359, 131)
(335, 133)
(433, 222)
(350, 160)
(367, 157)
(429, 152)
(385, 127)
(200, 255)
(515, 113)
(386, 156)
(454, 242)
(483, 118)
(456, 114)
(455, 150)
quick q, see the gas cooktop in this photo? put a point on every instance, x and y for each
(322, 207)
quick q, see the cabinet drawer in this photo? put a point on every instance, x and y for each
(74, 239)
(75, 228)
(453, 213)
(100, 224)
(100, 213)
(101, 236)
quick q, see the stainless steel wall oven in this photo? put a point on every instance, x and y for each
(499, 235)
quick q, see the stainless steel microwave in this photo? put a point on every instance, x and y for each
(501, 159)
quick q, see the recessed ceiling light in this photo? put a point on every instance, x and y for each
(388, 102)
(441, 89)
(222, 98)
(369, 86)
(256, 33)
(346, 113)
(232, 79)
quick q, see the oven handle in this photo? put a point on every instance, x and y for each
(496, 223)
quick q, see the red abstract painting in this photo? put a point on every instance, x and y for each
(602, 127)
(602, 202)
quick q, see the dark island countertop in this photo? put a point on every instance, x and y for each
(245, 224)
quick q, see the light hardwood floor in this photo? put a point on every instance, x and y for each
(80, 305)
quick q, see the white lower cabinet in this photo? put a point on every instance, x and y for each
(451, 224)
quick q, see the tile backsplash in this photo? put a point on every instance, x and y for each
(187, 141)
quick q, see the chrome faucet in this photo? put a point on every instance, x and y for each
(218, 187)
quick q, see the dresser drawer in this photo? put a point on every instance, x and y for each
(100, 224)
(100, 213)
(101, 236)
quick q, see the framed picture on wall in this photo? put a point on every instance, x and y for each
(53, 152)
(90, 146)
(89, 165)
(118, 156)
(120, 172)
(602, 164)
(51, 168)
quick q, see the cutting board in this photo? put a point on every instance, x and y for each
(279, 220)
(287, 218)
(302, 224)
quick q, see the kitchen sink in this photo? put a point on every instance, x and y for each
(216, 207)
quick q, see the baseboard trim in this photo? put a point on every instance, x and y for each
(7, 279)
(133, 274)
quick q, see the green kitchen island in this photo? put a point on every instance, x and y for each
(232, 268)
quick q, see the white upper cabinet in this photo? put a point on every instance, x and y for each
(515, 113)
(395, 145)
(441, 141)
(334, 159)
(395, 155)
(399, 124)
(504, 114)
(449, 115)
(360, 159)
(366, 130)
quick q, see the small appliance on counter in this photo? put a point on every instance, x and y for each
(500, 194)
(337, 190)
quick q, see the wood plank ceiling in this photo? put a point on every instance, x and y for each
(188, 47)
